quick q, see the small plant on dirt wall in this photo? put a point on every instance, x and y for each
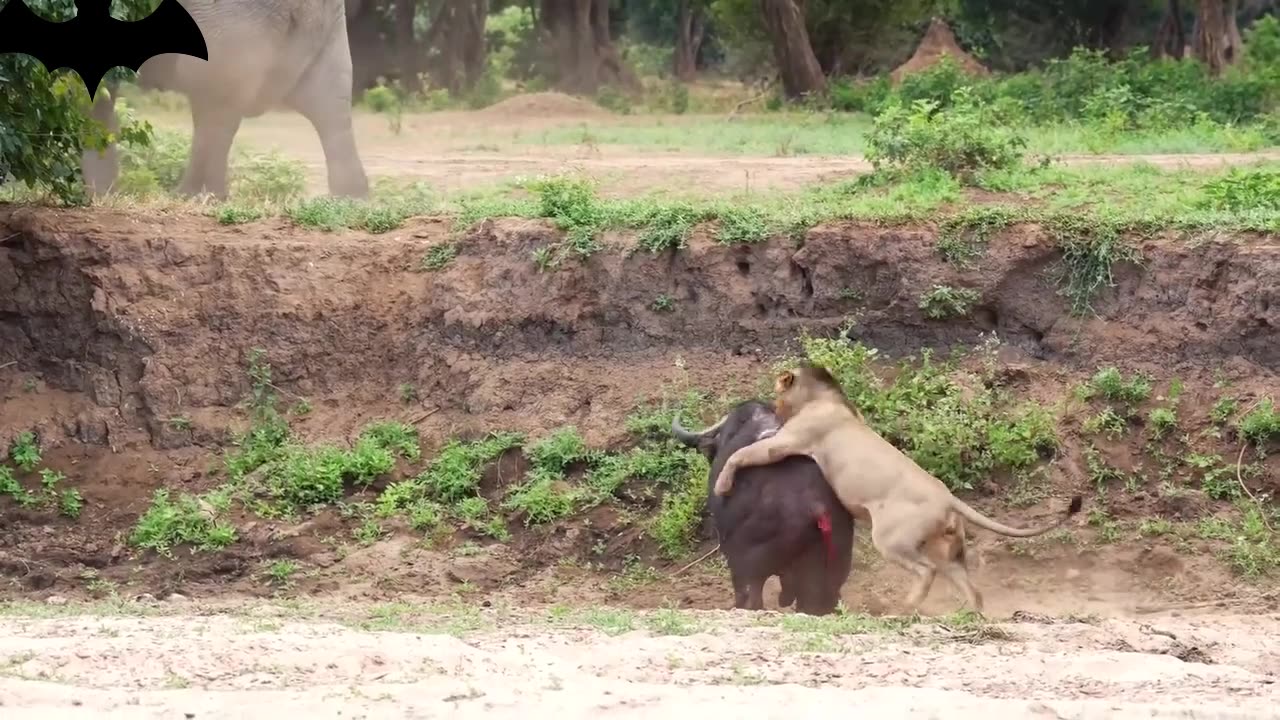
(1090, 246)
(1261, 425)
(546, 495)
(963, 238)
(944, 301)
(439, 256)
(10, 486)
(1112, 386)
(188, 520)
(571, 203)
(25, 451)
(1162, 420)
(451, 484)
(281, 572)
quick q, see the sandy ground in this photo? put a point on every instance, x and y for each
(268, 660)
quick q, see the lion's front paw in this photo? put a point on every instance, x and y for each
(723, 483)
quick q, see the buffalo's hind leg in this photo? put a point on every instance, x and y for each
(741, 589)
(755, 593)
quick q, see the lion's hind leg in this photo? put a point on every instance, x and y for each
(901, 546)
(949, 552)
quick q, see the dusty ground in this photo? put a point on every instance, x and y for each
(407, 662)
(459, 151)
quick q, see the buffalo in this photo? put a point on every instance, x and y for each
(782, 519)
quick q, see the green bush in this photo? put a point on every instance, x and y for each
(957, 431)
(1130, 93)
(961, 139)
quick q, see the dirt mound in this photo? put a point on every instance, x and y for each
(543, 106)
(938, 41)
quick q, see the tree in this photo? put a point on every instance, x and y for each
(45, 125)
(407, 49)
(366, 29)
(578, 36)
(1235, 45)
(784, 21)
(691, 28)
(1171, 36)
(1209, 41)
(457, 41)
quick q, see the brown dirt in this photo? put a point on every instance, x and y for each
(271, 661)
(541, 106)
(938, 40)
(113, 324)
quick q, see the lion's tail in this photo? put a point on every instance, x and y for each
(983, 521)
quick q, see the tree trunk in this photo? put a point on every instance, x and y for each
(1171, 36)
(578, 35)
(1209, 42)
(690, 31)
(1111, 33)
(1235, 44)
(406, 46)
(369, 58)
(798, 66)
(457, 35)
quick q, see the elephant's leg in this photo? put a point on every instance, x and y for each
(100, 169)
(213, 130)
(323, 96)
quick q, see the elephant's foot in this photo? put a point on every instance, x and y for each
(351, 184)
(193, 189)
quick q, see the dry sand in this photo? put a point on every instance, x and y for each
(272, 663)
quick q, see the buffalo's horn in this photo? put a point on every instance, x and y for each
(692, 438)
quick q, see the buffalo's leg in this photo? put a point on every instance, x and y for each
(741, 589)
(755, 597)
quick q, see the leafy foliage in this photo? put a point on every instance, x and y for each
(44, 123)
(961, 138)
(959, 432)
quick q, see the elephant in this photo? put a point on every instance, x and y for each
(263, 55)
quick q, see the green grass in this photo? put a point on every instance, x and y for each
(842, 134)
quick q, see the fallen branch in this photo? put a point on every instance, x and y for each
(424, 416)
(695, 562)
(11, 362)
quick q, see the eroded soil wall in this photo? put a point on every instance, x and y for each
(113, 324)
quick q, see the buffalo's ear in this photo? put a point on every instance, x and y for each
(709, 446)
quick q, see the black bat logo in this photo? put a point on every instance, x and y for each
(93, 42)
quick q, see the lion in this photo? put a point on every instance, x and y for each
(916, 522)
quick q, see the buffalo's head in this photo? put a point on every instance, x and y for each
(752, 416)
